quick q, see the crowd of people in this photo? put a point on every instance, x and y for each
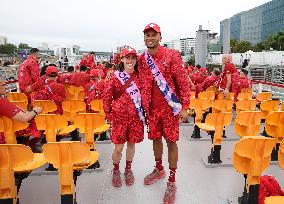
(151, 90)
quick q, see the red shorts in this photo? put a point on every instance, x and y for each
(162, 122)
(126, 130)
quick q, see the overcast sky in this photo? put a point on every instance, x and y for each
(102, 25)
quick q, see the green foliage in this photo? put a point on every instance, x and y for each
(191, 61)
(8, 49)
(276, 42)
(23, 46)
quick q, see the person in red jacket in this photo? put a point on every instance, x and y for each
(80, 78)
(123, 108)
(29, 72)
(240, 81)
(95, 88)
(165, 95)
(227, 74)
(209, 81)
(88, 61)
(66, 77)
(51, 90)
(12, 111)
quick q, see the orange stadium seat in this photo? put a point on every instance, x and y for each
(199, 105)
(91, 123)
(98, 106)
(245, 105)
(244, 96)
(251, 158)
(72, 107)
(268, 106)
(229, 97)
(15, 158)
(264, 96)
(75, 93)
(247, 123)
(66, 157)
(274, 200)
(46, 105)
(17, 96)
(9, 127)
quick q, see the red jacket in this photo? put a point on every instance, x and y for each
(80, 79)
(170, 65)
(209, 81)
(228, 69)
(122, 106)
(28, 73)
(94, 90)
(65, 79)
(51, 91)
(88, 61)
(239, 83)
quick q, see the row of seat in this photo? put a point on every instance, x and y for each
(68, 157)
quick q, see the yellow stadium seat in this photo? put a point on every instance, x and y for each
(245, 105)
(98, 106)
(268, 106)
(247, 123)
(212, 88)
(230, 96)
(90, 123)
(216, 122)
(75, 93)
(222, 105)
(281, 155)
(46, 105)
(199, 105)
(264, 96)
(72, 107)
(51, 124)
(66, 157)
(9, 127)
(192, 95)
(246, 90)
(244, 96)
(22, 104)
(274, 125)
(17, 96)
(15, 158)
(209, 95)
(274, 200)
(252, 157)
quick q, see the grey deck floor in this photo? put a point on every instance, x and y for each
(196, 183)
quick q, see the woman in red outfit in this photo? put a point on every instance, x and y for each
(123, 113)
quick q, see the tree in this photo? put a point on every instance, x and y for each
(259, 47)
(23, 46)
(243, 46)
(191, 61)
(8, 49)
(233, 44)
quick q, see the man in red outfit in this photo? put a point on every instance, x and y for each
(88, 61)
(51, 90)
(162, 118)
(29, 72)
(229, 70)
(80, 78)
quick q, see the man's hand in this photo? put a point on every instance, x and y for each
(29, 89)
(183, 115)
(226, 92)
(38, 110)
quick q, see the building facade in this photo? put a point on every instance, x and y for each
(186, 46)
(257, 24)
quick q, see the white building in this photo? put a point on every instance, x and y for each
(3, 40)
(44, 46)
(184, 45)
(66, 50)
(188, 45)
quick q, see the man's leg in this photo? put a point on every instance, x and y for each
(158, 172)
(116, 157)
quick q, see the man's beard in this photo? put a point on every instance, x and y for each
(152, 47)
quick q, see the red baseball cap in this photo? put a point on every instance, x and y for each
(51, 69)
(153, 26)
(129, 51)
